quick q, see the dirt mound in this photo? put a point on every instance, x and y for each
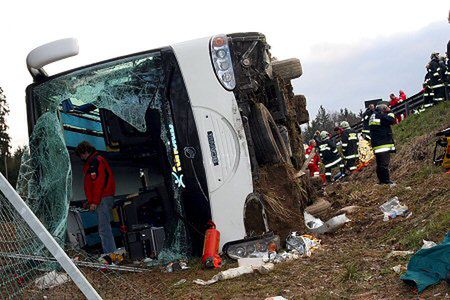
(285, 197)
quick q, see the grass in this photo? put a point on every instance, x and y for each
(351, 272)
(438, 225)
(430, 120)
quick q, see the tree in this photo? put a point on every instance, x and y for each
(328, 121)
(321, 122)
(5, 139)
(14, 165)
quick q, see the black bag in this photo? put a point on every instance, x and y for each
(144, 241)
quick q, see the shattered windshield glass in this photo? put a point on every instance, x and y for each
(128, 87)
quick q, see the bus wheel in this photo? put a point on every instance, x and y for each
(255, 219)
(269, 144)
(287, 69)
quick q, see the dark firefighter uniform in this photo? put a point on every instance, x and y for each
(98, 179)
(428, 94)
(329, 156)
(382, 142)
(436, 80)
(365, 119)
(349, 141)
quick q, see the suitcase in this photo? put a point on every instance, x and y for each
(82, 228)
(75, 229)
(144, 241)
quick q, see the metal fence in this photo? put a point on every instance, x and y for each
(407, 107)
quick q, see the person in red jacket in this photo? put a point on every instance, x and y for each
(393, 100)
(100, 188)
(313, 166)
(402, 95)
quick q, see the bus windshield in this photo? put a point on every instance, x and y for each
(121, 107)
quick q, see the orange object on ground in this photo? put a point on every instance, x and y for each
(211, 257)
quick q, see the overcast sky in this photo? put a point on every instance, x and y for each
(351, 50)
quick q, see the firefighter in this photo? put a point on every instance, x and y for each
(328, 154)
(428, 94)
(365, 119)
(382, 140)
(436, 80)
(349, 139)
(99, 187)
(313, 166)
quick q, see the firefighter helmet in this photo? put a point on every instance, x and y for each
(324, 135)
(345, 124)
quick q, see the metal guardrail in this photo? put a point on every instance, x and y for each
(407, 107)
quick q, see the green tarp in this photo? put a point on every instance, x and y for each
(429, 266)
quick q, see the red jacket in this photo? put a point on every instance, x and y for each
(402, 95)
(394, 102)
(313, 165)
(98, 179)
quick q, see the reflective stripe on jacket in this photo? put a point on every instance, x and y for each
(381, 132)
(328, 153)
(349, 143)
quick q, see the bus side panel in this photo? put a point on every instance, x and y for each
(222, 139)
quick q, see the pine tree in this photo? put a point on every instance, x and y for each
(326, 121)
(5, 139)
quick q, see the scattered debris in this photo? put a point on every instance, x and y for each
(398, 269)
(176, 266)
(428, 244)
(51, 279)
(276, 298)
(182, 281)
(400, 253)
(236, 272)
(316, 225)
(251, 261)
(304, 244)
(282, 257)
(349, 209)
(393, 208)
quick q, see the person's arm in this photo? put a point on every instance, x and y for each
(387, 119)
(96, 174)
(332, 146)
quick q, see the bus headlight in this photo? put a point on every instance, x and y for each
(221, 60)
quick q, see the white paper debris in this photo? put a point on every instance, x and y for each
(51, 280)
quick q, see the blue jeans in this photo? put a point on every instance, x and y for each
(104, 224)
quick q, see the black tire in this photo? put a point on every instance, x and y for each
(287, 69)
(269, 145)
(255, 219)
(299, 103)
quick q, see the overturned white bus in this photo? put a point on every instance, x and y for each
(183, 127)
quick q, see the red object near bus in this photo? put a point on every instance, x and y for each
(211, 258)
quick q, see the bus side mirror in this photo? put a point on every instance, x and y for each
(49, 53)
